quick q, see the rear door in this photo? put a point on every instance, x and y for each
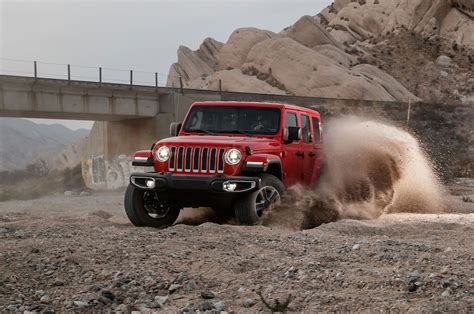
(309, 149)
(317, 142)
(292, 157)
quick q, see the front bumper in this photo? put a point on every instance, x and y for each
(213, 184)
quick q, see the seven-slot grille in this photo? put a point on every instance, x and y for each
(196, 159)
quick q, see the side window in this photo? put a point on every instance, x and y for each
(290, 119)
(195, 120)
(316, 131)
(305, 129)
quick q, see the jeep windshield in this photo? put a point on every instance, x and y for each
(233, 120)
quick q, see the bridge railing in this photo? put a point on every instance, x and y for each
(74, 72)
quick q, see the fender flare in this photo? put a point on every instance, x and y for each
(143, 158)
(261, 163)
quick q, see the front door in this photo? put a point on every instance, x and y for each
(292, 158)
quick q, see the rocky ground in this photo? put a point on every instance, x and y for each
(79, 252)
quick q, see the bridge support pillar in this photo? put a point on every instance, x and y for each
(106, 158)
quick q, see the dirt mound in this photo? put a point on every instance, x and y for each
(371, 169)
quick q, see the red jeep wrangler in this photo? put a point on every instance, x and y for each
(226, 155)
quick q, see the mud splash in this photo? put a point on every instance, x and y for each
(371, 169)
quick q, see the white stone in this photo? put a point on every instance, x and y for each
(443, 61)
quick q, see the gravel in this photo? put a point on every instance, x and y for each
(84, 256)
(207, 295)
(249, 303)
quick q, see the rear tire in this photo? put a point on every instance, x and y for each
(143, 208)
(250, 208)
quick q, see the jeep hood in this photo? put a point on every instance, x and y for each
(199, 140)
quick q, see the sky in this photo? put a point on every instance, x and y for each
(124, 35)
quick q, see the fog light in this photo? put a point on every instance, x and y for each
(150, 183)
(229, 187)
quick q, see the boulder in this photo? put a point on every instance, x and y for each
(337, 55)
(434, 15)
(443, 61)
(174, 74)
(309, 58)
(235, 81)
(339, 4)
(208, 52)
(367, 19)
(191, 64)
(304, 71)
(465, 6)
(233, 53)
(381, 78)
(194, 64)
(309, 32)
(344, 36)
(458, 27)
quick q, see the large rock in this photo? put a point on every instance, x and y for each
(174, 74)
(309, 32)
(191, 64)
(304, 71)
(458, 27)
(234, 80)
(466, 6)
(209, 51)
(336, 54)
(322, 56)
(358, 20)
(234, 52)
(380, 78)
(194, 64)
(339, 4)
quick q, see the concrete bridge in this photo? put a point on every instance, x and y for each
(78, 100)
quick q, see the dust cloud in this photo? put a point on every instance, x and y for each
(371, 169)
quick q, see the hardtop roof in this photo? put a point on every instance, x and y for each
(256, 104)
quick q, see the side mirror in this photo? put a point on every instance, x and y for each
(175, 127)
(291, 134)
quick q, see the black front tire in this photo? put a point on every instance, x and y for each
(139, 215)
(245, 207)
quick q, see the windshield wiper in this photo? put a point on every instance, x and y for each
(203, 131)
(238, 132)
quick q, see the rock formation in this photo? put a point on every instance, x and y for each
(358, 20)
(193, 65)
(346, 51)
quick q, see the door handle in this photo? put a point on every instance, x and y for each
(300, 154)
(311, 154)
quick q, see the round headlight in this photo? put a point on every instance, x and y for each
(233, 156)
(162, 153)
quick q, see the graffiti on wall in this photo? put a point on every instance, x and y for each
(109, 174)
(97, 170)
(118, 172)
